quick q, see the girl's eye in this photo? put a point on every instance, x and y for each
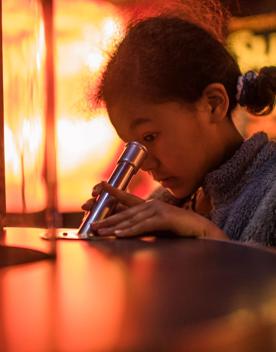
(150, 137)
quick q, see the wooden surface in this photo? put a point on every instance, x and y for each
(139, 295)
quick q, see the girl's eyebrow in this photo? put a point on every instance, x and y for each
(137, 122)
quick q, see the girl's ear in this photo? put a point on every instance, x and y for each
(218, 101)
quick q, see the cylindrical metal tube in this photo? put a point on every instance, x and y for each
(127, 166)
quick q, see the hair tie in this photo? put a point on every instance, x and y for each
(239, 87)
(244, 81)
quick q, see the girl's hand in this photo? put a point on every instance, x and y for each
(125, 199)
(90, 202)
(142, 216)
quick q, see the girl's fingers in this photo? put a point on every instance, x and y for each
(88, 204)
(128, 222)
(120, 207)
(123, 197)
(97, 189)
(117, 218)
(149, 225)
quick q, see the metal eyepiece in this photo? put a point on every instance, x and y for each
(128, 164)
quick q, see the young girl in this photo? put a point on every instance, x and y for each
(172, 86)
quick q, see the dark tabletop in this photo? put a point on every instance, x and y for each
(139, 295)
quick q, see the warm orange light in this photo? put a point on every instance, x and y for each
(23, 59)
(12, 159)
(109, 31)
(80, 139)
(86, 141)
(85, 144)
(95, 60)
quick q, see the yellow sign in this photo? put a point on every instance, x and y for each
(252, 50)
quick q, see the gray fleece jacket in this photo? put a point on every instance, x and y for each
(243, 192)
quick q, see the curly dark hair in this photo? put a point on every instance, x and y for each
(168, 58)
(258, 93)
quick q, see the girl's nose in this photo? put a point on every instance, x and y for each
(150, 163)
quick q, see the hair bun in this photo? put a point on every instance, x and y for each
(258, 91)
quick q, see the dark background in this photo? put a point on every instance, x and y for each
(242, 8)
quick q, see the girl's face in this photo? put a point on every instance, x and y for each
(180, 139)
